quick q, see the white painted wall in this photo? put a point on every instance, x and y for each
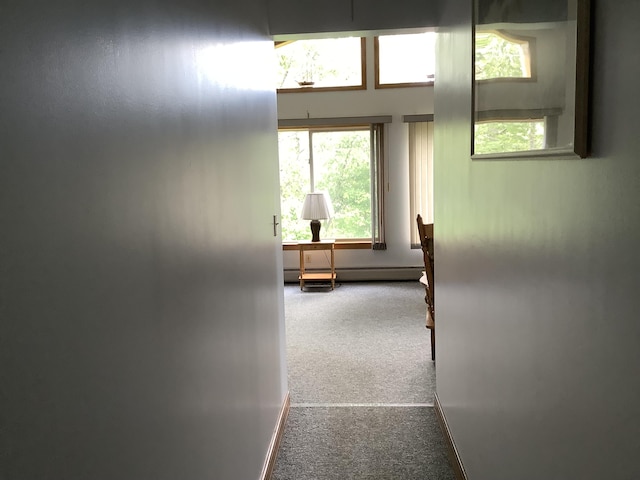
(141, 316)
(396, 102)
(537, 274)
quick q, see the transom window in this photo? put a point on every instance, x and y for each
(405, 60)
(321, 64)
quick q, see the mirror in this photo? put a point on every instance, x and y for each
(530, 79)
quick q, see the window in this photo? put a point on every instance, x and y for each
(498, 136)
(321, 64)
(405, 60)
(503, 56)
(420, 173)
(345, 163)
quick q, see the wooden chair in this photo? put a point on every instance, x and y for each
(426, 242)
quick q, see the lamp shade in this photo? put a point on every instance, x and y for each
(317, 206)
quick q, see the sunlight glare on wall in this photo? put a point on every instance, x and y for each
(242, 65)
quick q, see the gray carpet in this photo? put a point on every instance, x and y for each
(360, 378)
(339, 443)
(360, 343)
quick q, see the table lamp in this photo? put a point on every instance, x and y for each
(316, 207)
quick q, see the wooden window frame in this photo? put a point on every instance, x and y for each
(311, 89)
(376, 66)
(339, 245)
(375, 124)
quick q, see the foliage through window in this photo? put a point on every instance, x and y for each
(337, 161)
(501, 56)
(307, 65)
(509, 136)
(405, 60)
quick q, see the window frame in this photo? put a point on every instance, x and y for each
(311, 88)
(377, 127)
(311, 131)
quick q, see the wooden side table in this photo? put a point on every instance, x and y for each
(317, 275)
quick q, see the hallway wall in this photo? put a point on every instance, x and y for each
(141, 316)
(537, 272)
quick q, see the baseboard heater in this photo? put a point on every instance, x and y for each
(365, 274)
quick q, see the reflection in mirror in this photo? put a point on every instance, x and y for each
(525, 57)
(499, 55)
(496, 136)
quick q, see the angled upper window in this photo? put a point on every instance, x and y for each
(321, 64)
(405, 60)
(499, 55)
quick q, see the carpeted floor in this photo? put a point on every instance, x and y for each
(360, 343)
(361, 381)
(340, 443)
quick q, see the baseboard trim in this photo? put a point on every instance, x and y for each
(278, 433)
(454, 456)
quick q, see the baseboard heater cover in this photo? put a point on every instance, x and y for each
(454, 456)
(365, 274)
(278, 433)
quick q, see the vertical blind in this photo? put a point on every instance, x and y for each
(420, 175)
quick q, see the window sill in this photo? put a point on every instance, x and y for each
(380, 86)
(339, 245)
(345, 88)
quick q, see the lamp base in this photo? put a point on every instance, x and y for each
(315, 230)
